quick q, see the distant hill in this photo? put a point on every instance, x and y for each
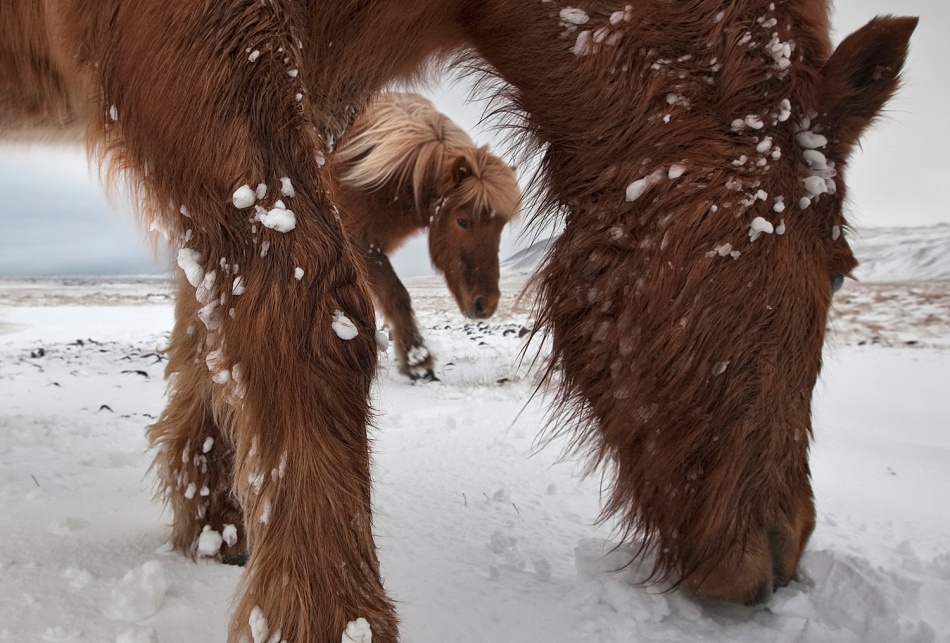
(886, 254)
(526, 260)
(902, 254)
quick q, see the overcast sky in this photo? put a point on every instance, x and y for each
(55, 219)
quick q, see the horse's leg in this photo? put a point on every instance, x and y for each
(302, 356)
(283, 294)
(413, 357)
(194, 457)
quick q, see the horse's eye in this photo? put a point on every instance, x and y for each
(463, 223)
(837, 280)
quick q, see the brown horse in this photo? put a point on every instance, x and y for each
(695, 147)
(403, 167)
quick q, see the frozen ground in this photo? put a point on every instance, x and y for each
(484, 536)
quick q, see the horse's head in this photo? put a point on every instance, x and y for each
(799, 258)
(478, 196)
(689, 311)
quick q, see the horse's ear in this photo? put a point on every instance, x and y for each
(861, 76)
(461, 169)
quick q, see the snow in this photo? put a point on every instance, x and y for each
(723, 250)
(157, 226)
(618, 17)
(286, 187)
(258, 623)
(815, 185)
(582, 45)
(229, 535)
(140, 593)
(138, 635)
(358, 631)
(636, 189)
(189, 261)
(760, 226)
(278, 218)
(343, 327)
(416, 355)
(485, 534)
(211, 315)
(244, 197)
(785, 110)
(815, 159)
(209, 542)
(810, 141)
(781, 52)
(754, 121)
(573, 16)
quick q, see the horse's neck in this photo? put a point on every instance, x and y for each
(614, 91)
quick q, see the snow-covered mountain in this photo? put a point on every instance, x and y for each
(886, 254)
(902, 254)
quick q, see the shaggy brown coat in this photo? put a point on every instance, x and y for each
(687, 336)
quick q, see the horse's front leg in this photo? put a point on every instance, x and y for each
(301, 354)
(214, 127)
(413, 357)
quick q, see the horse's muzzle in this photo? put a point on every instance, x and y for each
(483, 307)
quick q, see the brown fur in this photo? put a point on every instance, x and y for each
(403, 167)
(687, 372)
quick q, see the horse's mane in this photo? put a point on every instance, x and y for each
(402, 138)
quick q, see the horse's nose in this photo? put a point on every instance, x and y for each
(484, 306)
(480, 307)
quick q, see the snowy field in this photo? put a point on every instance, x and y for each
(484, 535)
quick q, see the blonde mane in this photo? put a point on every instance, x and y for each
(402, 139)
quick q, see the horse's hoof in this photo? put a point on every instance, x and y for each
(238, 560)
(428, 376)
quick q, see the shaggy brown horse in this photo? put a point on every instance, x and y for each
(403, 167)
(696, 149)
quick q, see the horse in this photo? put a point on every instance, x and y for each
(403, 167)
(695, 151)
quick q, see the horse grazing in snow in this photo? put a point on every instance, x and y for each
(402, 167)
(695, 148)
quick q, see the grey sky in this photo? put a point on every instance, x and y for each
(55, 219)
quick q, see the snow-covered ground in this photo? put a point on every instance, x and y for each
(485, 536)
